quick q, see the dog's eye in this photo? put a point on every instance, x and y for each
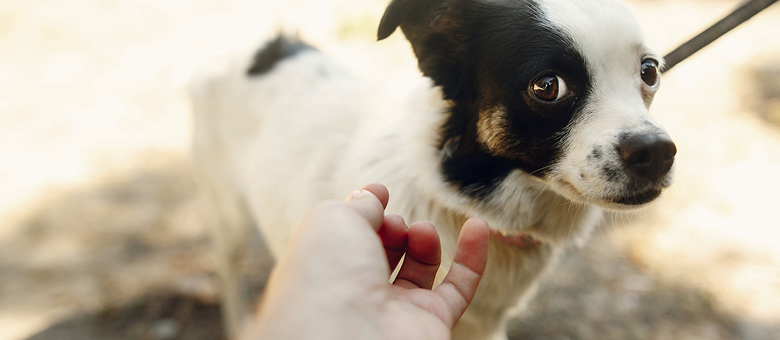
(649, 72)
(549, 88)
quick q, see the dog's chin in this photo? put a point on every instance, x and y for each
(627, 201)
(630, 201)
(638, 198)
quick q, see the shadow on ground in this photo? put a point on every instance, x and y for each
(578, 301)
(138, 242)
(154, 317)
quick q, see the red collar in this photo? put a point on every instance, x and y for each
(520, 241)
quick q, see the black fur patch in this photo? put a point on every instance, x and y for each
(476, 173)
(595, 153)
(611, 172)
(274, 51)
(487, 54)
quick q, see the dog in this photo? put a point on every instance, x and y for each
(531, 114)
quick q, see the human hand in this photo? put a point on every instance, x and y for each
(332, 282)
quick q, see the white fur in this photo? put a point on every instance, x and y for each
(613, 47)
(270, 147)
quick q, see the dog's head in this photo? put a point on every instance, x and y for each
(558, 89)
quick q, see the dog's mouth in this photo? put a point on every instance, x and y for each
(639, 198)
(632, 199)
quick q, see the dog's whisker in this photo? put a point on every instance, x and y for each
(541, 169)
(601, 231)
(533, 204)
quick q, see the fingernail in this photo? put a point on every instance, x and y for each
(402, 219)
(353, 194)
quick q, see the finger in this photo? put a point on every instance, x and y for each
(367, 205)
(423, 257)
(380, 191)
(462, 280)
(394, 238)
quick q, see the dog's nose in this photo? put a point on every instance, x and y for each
(649, 155)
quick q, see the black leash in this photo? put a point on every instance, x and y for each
(746, 11)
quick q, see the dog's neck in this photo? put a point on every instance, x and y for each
(520, 204)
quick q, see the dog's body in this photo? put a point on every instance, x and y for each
(531, 114)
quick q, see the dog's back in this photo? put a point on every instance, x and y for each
(271, 118)
(254, 156)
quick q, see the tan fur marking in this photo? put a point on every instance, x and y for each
(491, 129)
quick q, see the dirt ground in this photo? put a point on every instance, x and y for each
(103, 234)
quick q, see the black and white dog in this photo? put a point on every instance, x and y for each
(532, 114)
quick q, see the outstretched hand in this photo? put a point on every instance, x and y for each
(332, 282)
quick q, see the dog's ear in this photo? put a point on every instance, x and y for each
(433, 27)
(412, 12)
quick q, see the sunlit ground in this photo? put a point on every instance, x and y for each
(98, 207)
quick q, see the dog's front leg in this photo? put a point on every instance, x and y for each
(230, 232)
(477, 324)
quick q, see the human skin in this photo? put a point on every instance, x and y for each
(332, 280)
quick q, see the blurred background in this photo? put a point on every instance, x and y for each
(102, 235)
